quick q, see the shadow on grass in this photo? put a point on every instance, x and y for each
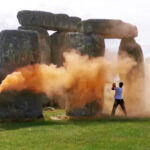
(12, 125)
(108, 120)
(82, 122)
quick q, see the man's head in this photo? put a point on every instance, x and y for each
(120, 84)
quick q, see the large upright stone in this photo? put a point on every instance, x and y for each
(43, 41)
(90, 44)
(108, 28)
(47, 20)
(86, 44)
(132, 49)
(20, 48)
(134, 78)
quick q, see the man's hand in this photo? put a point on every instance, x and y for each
(113, 86)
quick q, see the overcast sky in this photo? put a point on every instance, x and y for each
(136, 12)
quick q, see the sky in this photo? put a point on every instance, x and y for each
(136, 12)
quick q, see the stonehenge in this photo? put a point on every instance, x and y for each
(31, 43)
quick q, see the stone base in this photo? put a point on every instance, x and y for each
(20, 105)
(90, 109)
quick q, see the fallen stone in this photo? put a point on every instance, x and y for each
(49, 109)
(108, 28)
(47, 20)
(20, 105)
(90, 109)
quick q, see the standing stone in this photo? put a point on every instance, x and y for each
(134, 79)
(43, 41)
(108, 28)
(44, 48)
(19, 48)
(48, 21)
(87, 44)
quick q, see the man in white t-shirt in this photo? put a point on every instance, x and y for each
(118, 98)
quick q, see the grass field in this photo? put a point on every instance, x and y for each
(94, 134)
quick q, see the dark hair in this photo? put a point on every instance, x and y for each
(120, 84)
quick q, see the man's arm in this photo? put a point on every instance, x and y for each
(113, 86)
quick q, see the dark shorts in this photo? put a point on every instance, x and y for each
(119, 101)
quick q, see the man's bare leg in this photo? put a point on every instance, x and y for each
(123, 108)
(114, 108)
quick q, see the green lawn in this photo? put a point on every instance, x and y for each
(97, 134)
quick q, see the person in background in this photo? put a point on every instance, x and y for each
(118, 98)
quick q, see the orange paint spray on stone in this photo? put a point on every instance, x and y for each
(80, 79)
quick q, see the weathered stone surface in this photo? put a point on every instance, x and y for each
(20, 48)
(47, 20)
(90, 109)
(21, 105)
(49, 109)
(90, 44)
(38, 29)
(134, 78)
(131, 48)
(44, 48)
(108, 28)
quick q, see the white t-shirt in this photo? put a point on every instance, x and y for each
(118, 93)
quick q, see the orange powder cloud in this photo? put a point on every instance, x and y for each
(81, 79)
